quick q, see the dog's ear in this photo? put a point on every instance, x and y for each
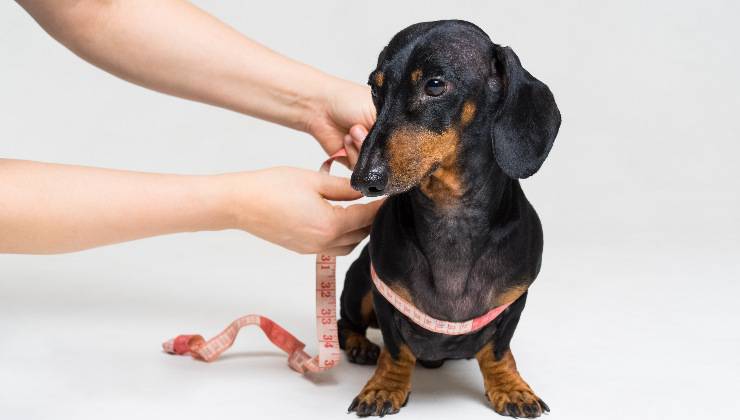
(527, 119)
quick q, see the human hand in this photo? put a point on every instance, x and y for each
(289, 207)
(345, 107)
(353, 143)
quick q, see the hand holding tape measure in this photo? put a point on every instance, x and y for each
(298, 360)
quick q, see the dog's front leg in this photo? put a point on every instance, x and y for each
(505, 389)
(388, 390)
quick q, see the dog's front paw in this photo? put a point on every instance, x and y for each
(516, 403)
(379, 402)
(505, 389)
(389, 388)
(360, 350)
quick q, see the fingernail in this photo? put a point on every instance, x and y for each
(358, 133)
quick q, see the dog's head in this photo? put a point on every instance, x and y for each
(435, 84)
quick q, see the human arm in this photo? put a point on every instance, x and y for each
(50, 208)
(176, 48)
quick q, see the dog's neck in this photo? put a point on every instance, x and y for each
(481, 200)
(452, 230)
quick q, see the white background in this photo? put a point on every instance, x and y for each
(634, 314)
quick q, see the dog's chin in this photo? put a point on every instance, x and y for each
(396, 187)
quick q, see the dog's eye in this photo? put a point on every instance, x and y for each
(435, 87)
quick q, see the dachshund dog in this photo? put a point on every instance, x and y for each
(459, 122)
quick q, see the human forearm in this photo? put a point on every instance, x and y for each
(48, 208)
(174, 47)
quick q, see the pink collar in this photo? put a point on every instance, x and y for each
(427, 322)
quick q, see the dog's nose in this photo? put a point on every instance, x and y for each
(372, 184)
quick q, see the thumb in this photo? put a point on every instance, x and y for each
(337, 188)
(356, 216)
(358, 134)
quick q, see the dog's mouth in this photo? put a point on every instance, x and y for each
(394, 188)
(374, 191)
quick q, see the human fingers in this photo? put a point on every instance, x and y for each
(358, 133)
(353, 152)
(356, 216)
(345, 161)
(337, 188)
(339, 251)
(351, 238)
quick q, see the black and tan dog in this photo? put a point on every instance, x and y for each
(459, 122)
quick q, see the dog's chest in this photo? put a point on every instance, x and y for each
(452, 290)
(458, 281)
(452, 267)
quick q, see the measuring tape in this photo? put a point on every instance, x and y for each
(298, 360)
(428, 322)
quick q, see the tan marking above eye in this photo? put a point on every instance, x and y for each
(379, 78)
(468, 113)
(416, 75)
